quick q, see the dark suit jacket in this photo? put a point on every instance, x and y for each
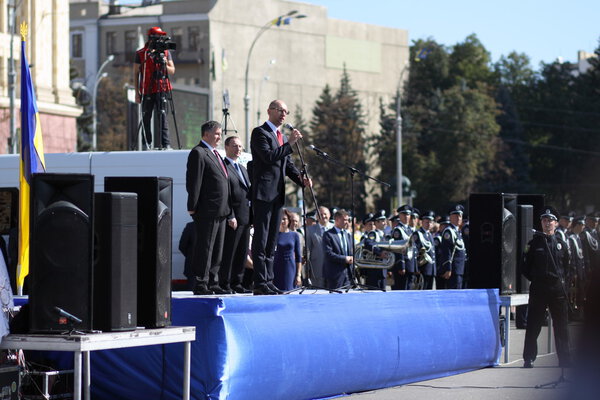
(240, 194)
(206, 184)
(271, 163)
(334, 262)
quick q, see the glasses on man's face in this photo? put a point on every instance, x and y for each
(281, 110)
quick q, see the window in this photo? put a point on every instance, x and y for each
(194, 38)
(111, 43)
(76, 45)
(177, 37)
(130, 44)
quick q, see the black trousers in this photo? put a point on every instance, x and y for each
(267, 217)
(551, 295)
(235, 249)
(208, 252)
(151, 103)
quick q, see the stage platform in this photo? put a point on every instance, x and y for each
(309, 346)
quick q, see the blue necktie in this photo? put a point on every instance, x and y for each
(239, 171)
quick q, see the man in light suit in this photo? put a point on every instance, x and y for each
(337, 248)
(271, 160)
(207, 186)
(314, 238)
(235, 248)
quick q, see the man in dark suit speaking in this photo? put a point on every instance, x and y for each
(271, 160)
(207, 185)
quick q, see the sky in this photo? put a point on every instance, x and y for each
(543, 29)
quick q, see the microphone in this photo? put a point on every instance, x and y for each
(317, 150)
(67, 315)
(289, 127)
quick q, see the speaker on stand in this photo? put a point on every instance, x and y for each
(155, 227)
(60, 252)
(493, 239)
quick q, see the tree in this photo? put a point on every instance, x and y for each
(338, 127)
(111, 109)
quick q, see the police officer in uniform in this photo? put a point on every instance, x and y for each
(405, 265)
(589, 240)
(376, 277)
(452, 252)
(443, 222)
(426, 250)
(579, 266)
(546, 265)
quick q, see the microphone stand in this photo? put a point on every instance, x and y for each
(354, 284)
(309, 270)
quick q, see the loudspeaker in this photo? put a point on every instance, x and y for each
(538, 203)
(493, 239)
(155, 227)
(115, 261)
(524, 235)
(60, 252)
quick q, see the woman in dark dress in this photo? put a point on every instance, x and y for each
(288, 256)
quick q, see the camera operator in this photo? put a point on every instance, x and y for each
(152, 82)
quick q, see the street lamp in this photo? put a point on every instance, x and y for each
(399, 177)
(264, 79)
(99, 76)
(282, 19)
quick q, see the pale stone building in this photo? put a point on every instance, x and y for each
(47, 52)
(291, 61)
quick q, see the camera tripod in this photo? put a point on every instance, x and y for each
(163, 99)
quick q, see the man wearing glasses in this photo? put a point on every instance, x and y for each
(271, 160)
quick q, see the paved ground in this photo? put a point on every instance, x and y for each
(507, 381)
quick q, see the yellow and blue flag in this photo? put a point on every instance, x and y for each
(32, 158)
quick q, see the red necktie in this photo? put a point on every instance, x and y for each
(220, 161)
(279, 138)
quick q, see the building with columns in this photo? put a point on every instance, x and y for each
(47, 52)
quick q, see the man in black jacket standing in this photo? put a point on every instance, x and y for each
(271, 160)
(207, 186)
(546, 265)
(236, 244)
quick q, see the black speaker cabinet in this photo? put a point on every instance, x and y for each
(115, 261)
(493, 240)
(155, 226)
(524, 235)
(60, 252)
(537, 201)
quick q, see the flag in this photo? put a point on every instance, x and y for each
(32, 158)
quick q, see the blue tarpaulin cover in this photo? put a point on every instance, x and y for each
(309, 346)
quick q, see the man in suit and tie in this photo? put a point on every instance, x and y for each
(314, 238)
(235, 248)
(337, 248)
(271, 159)
(207, 186)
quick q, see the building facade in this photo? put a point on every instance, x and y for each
(290, 61)
(47, 47)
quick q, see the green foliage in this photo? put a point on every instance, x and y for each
(338, 127)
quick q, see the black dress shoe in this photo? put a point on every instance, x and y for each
(228, 289)
(219, 290)
(262, 290)
(202, 291)
(274, 288)
(240, 289)
(528, 364)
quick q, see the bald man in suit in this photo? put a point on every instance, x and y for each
(271, 159)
